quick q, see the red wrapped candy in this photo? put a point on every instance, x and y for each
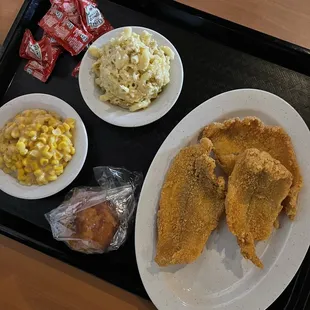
(40, 51)
(53, 42)
(44, 70)
(68, 6)
(91, 18)
(76, 70)
(57, 25)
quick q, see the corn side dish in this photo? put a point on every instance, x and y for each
(36, 146)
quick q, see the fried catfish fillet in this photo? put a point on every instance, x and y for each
(191, 203)
(256, 188)
(234, 136)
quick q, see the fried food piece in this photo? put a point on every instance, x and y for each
(95, 226)
(191, 203)
(234, 136)
(256, 189)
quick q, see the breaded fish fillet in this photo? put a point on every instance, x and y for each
(191, 203)
(256, 188)
(234, 136)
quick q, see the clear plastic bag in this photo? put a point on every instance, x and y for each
(97, 219)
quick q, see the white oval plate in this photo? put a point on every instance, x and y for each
(9, 184)
(121, 117)
(221, 278)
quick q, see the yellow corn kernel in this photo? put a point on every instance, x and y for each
(43, 138)
(57, 155)
(28, 169)
(51, 140)
(59, 169)
(55, 162)
(66, 127)
(20, 145)
(43, 162)
(44, 129)
(19, 165)
(62, 145)
(23, 152)
(39, 145)
(34, 166)
(66, 150)
(65, 165)
(21, 178)
(21, 174)
(31, 134)
(66, 139)
(72, 150)
(20, 171)
(25, 162)
(6, 158)
(22, 139)
(34, 153)
(51, 178)
(62, 128)
(68, 134)
(8, 165)
(21, 126)
(38, 173)
(14, 157)
(51, 172)
(46, 148)
(52, 121)
(38, 126)
(70, 122)
(47, 155)
(15, 133)
(67, 157)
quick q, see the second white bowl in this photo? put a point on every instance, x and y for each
(121, 117)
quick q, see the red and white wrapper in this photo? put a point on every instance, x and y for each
(53, 42)
(91, 18)
(44, 70)
(57, 25)
(75, 72)
(68, 6)
(40, 51)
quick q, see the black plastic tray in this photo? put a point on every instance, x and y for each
(217, 56)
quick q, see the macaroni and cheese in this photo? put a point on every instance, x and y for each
(36, 146)
(131, 69)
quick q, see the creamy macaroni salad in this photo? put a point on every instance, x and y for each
(131, 69)
(36, 146)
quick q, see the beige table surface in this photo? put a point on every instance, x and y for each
(288, 20)
(30, 280)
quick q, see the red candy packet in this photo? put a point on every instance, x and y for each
(44, 70)
(57, 25)
(91, 18)
(68, 6)
(40, 51)
(75, 72)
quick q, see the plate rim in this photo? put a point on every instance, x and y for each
(286, 276)
(83, 132)
(163, 112)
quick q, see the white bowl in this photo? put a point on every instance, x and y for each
(121, 117)
(10, 185)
